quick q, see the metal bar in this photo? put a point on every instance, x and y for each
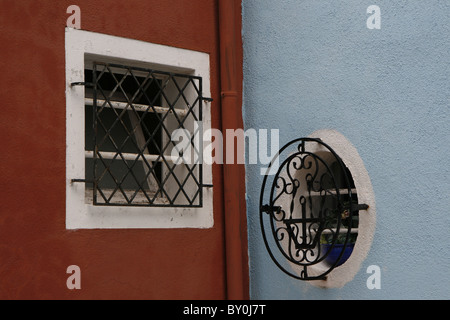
(137, 107)
(94, 138)
(81, 180)
(342, 191)
(361, 206)
(146, 70)
(132, 156)
(268, 209)
(87, 84)
(132, 204)
(200, 136)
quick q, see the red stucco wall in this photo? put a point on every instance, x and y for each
(35, 247)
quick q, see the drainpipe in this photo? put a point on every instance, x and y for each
(234, 174)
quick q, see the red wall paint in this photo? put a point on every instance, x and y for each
(35, 247)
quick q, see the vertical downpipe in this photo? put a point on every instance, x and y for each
(231, 113)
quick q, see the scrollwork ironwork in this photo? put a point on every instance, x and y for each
(303, 202)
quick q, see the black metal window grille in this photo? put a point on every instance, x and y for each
(131, 114)
(309, 210)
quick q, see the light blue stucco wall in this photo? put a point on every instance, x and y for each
(314, 64)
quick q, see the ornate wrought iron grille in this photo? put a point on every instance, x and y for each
(131, 158)
(308, 209)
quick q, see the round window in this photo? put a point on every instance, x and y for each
(317, 211)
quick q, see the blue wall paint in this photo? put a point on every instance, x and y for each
(312, 65)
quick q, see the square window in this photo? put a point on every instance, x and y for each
(125, 99)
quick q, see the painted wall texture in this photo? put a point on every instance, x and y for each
(311, 65)
(35, 247)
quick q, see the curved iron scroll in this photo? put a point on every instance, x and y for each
(308, 201)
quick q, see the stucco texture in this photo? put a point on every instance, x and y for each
(311, 65)
(35, 246)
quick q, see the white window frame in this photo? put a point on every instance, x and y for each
(80, 47)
